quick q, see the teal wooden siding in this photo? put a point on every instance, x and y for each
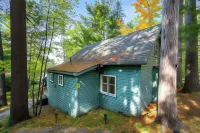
(65, 97)
(89, 91)
(155, 84)
(71, 100)
(127, 99)
(146, 86)
(146, 78)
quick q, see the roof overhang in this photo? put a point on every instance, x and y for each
(73, 68)
(73, 73)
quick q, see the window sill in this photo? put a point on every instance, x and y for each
(108, 94)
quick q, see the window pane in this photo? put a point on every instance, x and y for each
(112, 89)
(104, 89)
(112, 80)
(61, 79)
(104, 79)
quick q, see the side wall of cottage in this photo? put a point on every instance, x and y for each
(127, 100)
(88, 93)
(147, 92)
(64, 98)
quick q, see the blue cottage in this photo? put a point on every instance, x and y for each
(120, 74)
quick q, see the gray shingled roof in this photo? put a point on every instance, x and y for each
(134, 48)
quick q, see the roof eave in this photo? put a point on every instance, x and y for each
(73, 73)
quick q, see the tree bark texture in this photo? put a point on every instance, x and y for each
(19, 85)
(191, 67)
(3, 100)
(179, 69)
(167, 103)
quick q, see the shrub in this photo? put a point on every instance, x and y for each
(8, 82)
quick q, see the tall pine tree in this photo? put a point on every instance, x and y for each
(179, 69)
(167, 103)
(98, 25)
(19, 85)
(191, 71)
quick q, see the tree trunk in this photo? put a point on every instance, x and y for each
(179, 69)
(33, 81)
(39, 94)
(3, 100)
(19, 85)
(45, 67)
(30, 59)
(191, 70)
(167, 103)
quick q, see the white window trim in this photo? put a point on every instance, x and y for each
(62, 80)
(51, 75)
(107, 93)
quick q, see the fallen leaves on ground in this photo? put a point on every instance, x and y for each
(188, 108)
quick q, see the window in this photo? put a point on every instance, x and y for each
(51, 77)
(60, 80)
(108, 85)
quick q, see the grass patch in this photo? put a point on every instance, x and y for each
(3, 125)
(8, 96)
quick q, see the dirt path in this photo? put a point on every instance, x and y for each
(4, 114)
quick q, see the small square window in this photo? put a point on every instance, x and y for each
(51, 77)
(60, 80)
(108, 85)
